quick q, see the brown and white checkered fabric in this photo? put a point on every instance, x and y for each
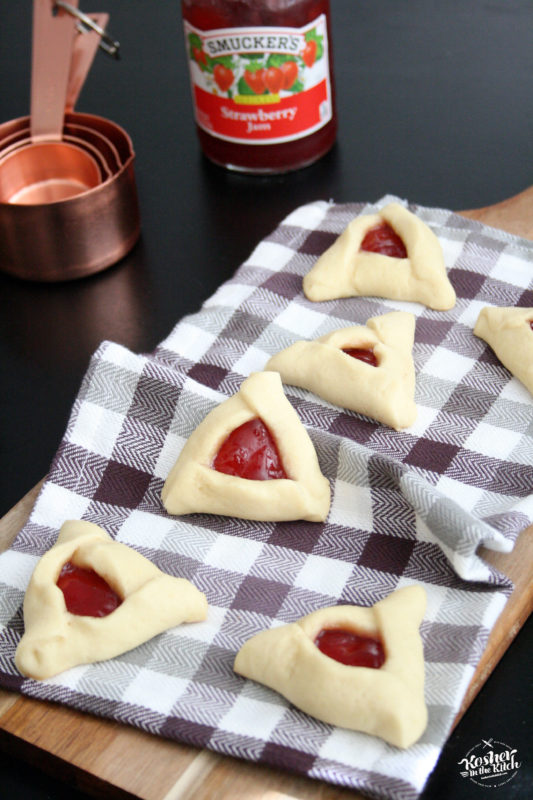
(408, 507)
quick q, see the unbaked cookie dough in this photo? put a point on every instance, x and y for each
(193, 485)
(508, 332)
(55, 640)
(387, 702)
(384, 392)
(344, 270)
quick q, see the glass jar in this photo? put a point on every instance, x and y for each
(262, 81)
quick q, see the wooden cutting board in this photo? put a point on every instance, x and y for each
(104, 756)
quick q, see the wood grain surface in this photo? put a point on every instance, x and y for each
(120, 761)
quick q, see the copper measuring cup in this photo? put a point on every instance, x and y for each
(47, 168)
(68, 201)
(16, 134)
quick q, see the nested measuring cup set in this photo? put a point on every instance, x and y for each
(68, 199)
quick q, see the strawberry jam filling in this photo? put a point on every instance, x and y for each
(383, 239)
(86, 593)
(250, 452)
(531, 324)
(361, 353)
(350, 648)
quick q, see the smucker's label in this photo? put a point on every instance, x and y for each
(260, 85)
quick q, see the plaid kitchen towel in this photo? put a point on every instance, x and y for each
(408, 507)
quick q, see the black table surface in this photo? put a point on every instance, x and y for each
(434, 105)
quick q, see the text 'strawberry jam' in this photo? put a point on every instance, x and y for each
(351, 648)
(262, 81)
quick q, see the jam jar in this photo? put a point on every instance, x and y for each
(262, 81)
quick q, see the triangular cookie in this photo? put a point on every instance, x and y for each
(384, 392)
(55, 640)
(508, 331)
(344, 270)
(386, 702)
(193, 485)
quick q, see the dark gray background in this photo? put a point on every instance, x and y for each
(435, 105)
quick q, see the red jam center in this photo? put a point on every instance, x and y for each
(362, 354)
(250, 452)
(531, 324)
(383, 239)
(86, 593)
(350, 648)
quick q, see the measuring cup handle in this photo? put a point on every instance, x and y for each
(53, 39)
(84, 50)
